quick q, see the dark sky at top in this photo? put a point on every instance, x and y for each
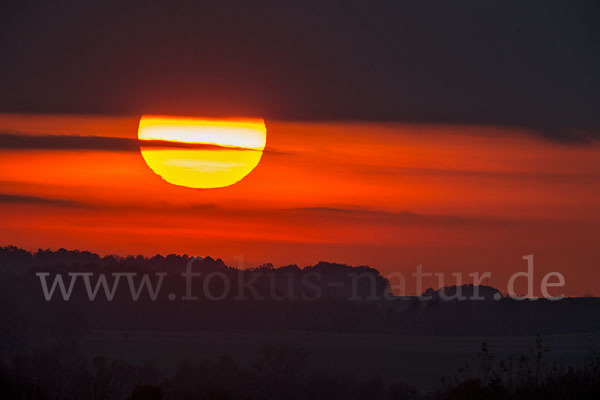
(526, 63)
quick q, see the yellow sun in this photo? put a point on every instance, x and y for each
(200, 152)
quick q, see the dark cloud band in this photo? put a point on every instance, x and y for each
(498, 63)
(14, 141)
(47, 201)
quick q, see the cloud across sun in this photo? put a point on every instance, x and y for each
(201, 153)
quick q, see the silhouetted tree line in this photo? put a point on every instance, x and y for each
(39, 357)
(280, 298)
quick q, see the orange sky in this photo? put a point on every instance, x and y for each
(392, 196)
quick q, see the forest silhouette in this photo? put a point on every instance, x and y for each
(41, 356)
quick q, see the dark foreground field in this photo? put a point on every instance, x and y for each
(420, 361)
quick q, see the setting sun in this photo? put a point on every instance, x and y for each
(201, 153)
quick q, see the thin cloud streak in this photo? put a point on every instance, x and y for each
(15, 141)
(342, 213)
(47, 201)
